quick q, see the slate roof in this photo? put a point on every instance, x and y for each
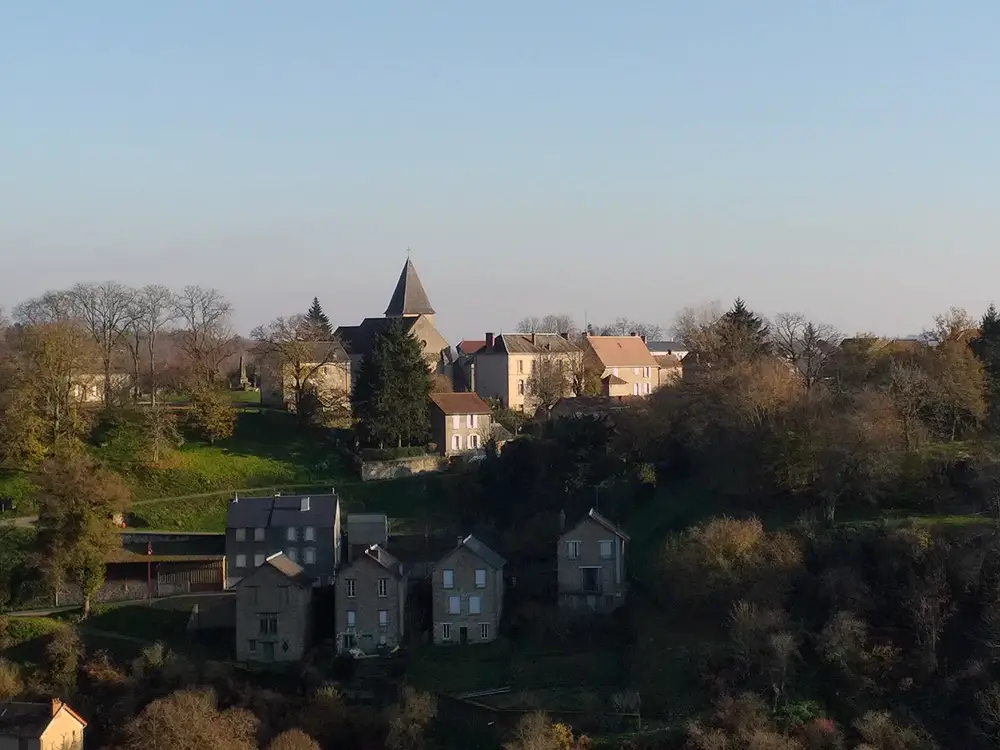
(409, 297)
(29, 720)
(534, 343)
(367, 529)
(383, 558)
(460, 403)
(360, 339)
(621, 351)
(593, 515)
(324, 351)
(282, 511)
(483, 552)
(291, 570)
(665, 347)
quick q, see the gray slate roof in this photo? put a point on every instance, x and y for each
(656, 347)
(367, 528)
(360, 339)
(593, 515)
(409, 298)
(537, 343)
(282, 511)
(381, 556)
(27, 720)
(490, 557)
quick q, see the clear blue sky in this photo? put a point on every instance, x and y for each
(839, 159)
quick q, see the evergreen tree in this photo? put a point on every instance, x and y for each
(743, 335)
(987, 348)
(318, 321)
(392, 395)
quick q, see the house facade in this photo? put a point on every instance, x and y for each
(51, 725)
(460, 423)
(322, 367)
(306, 528)
(504, 366)
(626, 367)
(467, 590)
(274, 612)
(591, 565)
(371, 602)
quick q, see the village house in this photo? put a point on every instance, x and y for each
(305, 527)
(591, 565)
(626, 367)
(467, 589)
(51, 725)
(364, 530)
(274, 612)
(409, 304)
(321, 368)
(88, 388)
(371, 602)
(460, 423)
(504, 366)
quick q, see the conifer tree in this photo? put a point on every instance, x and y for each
(318, 321)
(987, 348)
(744, 335)
(392, 395)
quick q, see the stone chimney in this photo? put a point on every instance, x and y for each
(643, 339)
(472, 376)
(565, 335)
(56, 705)
(460, 540)
(489, 340)
(562, 521)
(532, 338)
(631, 333)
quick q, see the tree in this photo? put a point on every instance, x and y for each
(51, 307)
(154, 308)
(551, 378)
(958, 389)
(561, 323)
(78, 500)
(409, 718)
(293, 739)
(744, 336)
(11, 684)
(206, 337)
(392, 395)
(627, 327)
(190, 720)
(954, 325)
(63, 653)
(294, 349)
(212, 414)
(698, 329)
(318, 321)
(805, 345)
(987, 348)
(107, 310)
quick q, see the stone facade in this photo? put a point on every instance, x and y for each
(273, 614)
(504, 366)
(467, 596)
(400, 467)
(591, 565)
(461, 423)
(331, 382)
(371, 602)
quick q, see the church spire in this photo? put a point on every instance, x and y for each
(409, 298)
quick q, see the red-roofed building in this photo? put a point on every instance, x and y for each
(460, 422)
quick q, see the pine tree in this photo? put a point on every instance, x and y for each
(744, 335)
(318, 320)
(987, 348)
(392, 395)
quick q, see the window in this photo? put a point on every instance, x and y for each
(352, 618)
(310, 535)
(448, 579)
(349, 582)
(268, 623)
(649, 388)
(258, 535)
(310, 558)
(292, 534)
(475, 420)
(645, 372)
(241, 535)
(456, 421)
(635, 371)
(258, 560)
(269, 651)
(252, 646)
(468, 420)
(475, 605)
(607, 549)
(520, 367)
(292, 554)
(241, 561)
(480, 578)
(635, 389)
(383, 618)
(454, 605)
(520, 387)
(445, 631)
(456, 442)
(383, 587)
(573, 550)
(473, 441)
(484, 631)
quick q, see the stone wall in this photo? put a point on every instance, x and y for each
(401, 467)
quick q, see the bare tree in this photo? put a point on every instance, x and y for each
(804, 345)
(551, 379)
(561, 323)
(51, 307)
(626, 327)
(154, 309)
(954, 325)
(289, 346)
(106, 309)
(697, 328)
(206, 337)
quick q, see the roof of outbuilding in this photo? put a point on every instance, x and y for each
(281, 511)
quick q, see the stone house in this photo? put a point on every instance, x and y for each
(274, 612)
(320, 366)
(625, 364)
(371, 602)
(467, 590)
(51, 725)
(364, 530)
(504, 366)
(305, 527)
(409, 303)
(591, 565)
(88, 388)
(460, 422)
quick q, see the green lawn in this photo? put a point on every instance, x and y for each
(140, 621)
(16, 489)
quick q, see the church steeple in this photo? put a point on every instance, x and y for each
(409, 299)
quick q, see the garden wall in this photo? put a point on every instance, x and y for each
(401, 467)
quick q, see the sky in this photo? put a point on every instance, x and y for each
(547, 156)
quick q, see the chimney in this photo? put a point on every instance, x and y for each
(460, 540)
(304, 504)
(532, 338)
(472, 377)
(643, 337)
(56, 705)
(562, 521)
(565, 335)
(489, 340)
(631, 333)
